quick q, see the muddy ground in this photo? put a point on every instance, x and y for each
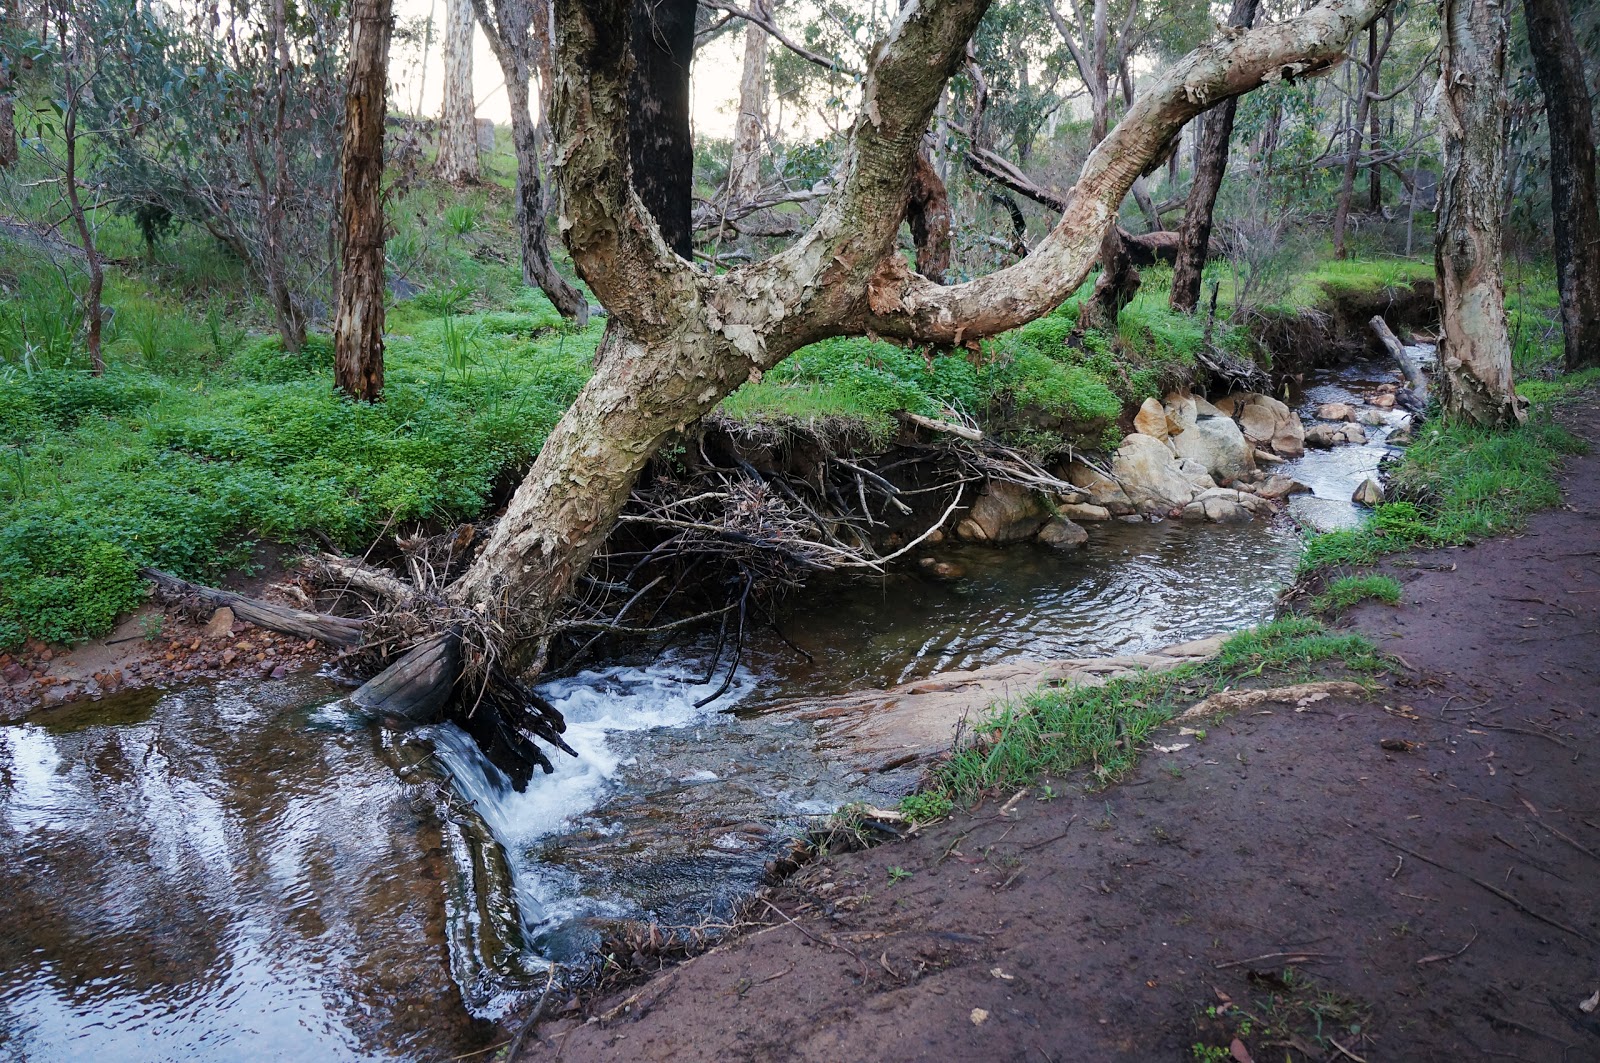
(1407, 878)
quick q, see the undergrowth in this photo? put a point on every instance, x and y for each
(1346, 591)
(1056, 729)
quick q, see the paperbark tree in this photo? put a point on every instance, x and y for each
(458, 125)
(678, 340)
(508, 25)
(1475, 348)
(1558, 65)
(1211, 165)
(358, 322)
(744, 171)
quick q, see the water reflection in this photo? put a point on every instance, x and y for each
(212, 876)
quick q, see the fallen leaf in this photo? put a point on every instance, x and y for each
(1588, 1006)
(1172, 748)
(1400, 745)
(999, 972)
(979, 1016)
(1239, 1052)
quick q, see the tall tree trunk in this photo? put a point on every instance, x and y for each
(1375, 137)
(358, 322)
(74, 86)
(1475, 349)
(1194, 235)
(660, 144)
(1366, 86)
(286, 311)
(1558, 64)
(744, 171)
(458, 125)
(8, 87)
(509, 27)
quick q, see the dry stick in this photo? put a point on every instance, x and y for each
(1058, 837)
(533, 1019)
(1440, 957)
(1496, 890)
(1345, 1051)
(1576, 845)
(1297, 957)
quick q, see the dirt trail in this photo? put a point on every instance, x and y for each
(1434, 901)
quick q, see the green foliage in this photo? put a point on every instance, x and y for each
(1054, 730)
(1346, 591)
(925, 807)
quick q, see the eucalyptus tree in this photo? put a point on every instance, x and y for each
(678, 340)
(458, 127)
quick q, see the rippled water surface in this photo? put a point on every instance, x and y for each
(249, 871)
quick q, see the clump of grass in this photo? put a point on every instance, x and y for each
(1346, 591)
(1457, 484)
(1058, 729)
(925, 807)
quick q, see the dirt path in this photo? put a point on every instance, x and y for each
(1327, 897)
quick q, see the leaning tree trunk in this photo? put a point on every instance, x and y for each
(660, 142)
(1475, 349)
(1558, 64)
(509, 27)
(358, 322)
(1194, 235)
(458, 125)
(744, 170)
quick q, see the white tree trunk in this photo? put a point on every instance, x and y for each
(1475, 349)
(458, 125)
(744, 171)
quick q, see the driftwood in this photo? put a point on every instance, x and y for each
(947, 427)
(334, 630)
(1412, 371)
(417, 687)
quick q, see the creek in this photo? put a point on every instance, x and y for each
(249, 869)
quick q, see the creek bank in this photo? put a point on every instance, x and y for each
(1407, 876)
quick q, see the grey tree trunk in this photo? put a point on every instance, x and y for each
(660, 144)
(744, 171)
(1558, 64)
(1366, 85)
(1194, 235)
(508, 25)
(458, 126)
(1475, 349)
(358, 321)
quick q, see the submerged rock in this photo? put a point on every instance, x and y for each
(1373, 418)
(943, 570)
(1083, 511)
(1327, 436)
(1336, 411)
(1003, 513)
(1062, 534)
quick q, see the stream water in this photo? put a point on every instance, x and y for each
(249, 870)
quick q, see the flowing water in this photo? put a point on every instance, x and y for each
(249, 870)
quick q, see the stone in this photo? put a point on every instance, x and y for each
(1336, 411)
(1216, 443)
(1383, 400)
(1204, 409)
(1062, 534)
(1373, 418)
(1278, 488)
(1228, 405)
(1149, 474)
(1151, 420)
(1400, 437)
(1083, 511)
(1264, 458)
(1101, 490)
(1003, 513)
(1270, 424)
(1327, 436)
(1196, 474)
(1369, 494)
(220, 626)
(1217, 510)
(485, 133)
(943, 570)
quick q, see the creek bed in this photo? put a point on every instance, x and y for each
(248, 869)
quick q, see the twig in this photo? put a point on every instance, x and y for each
(1296, 957)
(1496, 890)
(1440, 957)
(1345, 1051)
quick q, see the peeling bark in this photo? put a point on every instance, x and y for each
(458, 126)
(1558, 64)
(744, 170)
(358, 322)
(1475, 349)
(928, 214)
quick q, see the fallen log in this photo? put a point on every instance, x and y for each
(1412, 371)
(334, 630)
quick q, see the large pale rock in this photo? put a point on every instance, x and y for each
(1151, 420)
(1369, 494)
(1327, 436)
(1336, 411)
(1270, 424)
(1062, 534)
(1083, 511)
(1101, 490)
(220, 626)
(1149, 474)
(1216, 443)
(1278, 488)
(1003, 513)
